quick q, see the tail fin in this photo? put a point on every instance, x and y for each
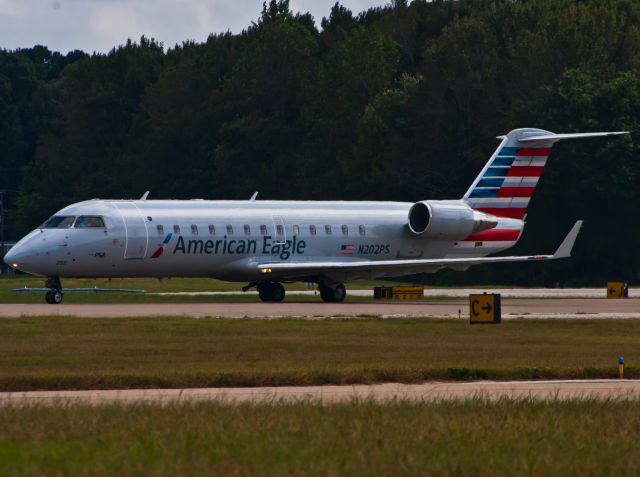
(505, 185)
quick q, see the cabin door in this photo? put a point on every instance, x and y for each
(135, 230)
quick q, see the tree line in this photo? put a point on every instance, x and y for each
(401, 102)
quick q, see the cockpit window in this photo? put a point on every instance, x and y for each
(89, 221)
(59, 222)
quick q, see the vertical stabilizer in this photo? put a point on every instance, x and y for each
(508, 180)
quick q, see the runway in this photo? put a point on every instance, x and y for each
(384, 393)
(448, 308)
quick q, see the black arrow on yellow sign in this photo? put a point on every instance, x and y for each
(487, 307)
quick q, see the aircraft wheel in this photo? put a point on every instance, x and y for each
(335, 294)
(339, 293)
(277, 292)
(264, 291)
(47, 297)
(271, 292)
(325, 293)
(56, 297)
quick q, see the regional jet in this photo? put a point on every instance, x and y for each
(267, 243)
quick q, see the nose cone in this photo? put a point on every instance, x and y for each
(9, 257)
(18, 255)
(25, 257)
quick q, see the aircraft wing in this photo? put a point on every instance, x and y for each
(408, 267)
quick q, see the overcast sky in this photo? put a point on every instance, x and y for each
(99, 25)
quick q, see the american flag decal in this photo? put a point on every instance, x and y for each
(346, 249)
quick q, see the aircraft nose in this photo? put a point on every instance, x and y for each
(16, 254)
(9, 257)
(32, 254)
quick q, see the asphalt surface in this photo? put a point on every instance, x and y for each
(449, 308)
(541, 390)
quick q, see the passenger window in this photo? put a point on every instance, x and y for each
(327, 229)
(296, 230)
(160, 230)
(176, 229)
(345, 230)
(263, 230)
(362, 230)
(279, 230)
(212, 229)
(247, 229)
(312, 229)
(89, 221)
(229, 229)
(59, 222)
(194, 230)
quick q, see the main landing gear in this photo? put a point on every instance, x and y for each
(271, 291)
(54, 296)
(332, 294)
(274, 291)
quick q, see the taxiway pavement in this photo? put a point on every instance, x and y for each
(448, 308)
(492, 390)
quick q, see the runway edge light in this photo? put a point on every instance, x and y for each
(621, 366)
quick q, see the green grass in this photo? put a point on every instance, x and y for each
(472, 437)
(101, 353)
(152, 285)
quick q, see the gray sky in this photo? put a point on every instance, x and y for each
(99, 25)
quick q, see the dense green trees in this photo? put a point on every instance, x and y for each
(401, 102)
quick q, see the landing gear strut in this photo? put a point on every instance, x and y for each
(332, 294)
(54, 296)
(271, 291)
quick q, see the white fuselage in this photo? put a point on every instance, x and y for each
(228, 239)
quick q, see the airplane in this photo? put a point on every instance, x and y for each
(266, 243)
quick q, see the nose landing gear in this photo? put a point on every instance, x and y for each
(54, 296)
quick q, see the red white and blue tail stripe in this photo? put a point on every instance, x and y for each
(508, 180)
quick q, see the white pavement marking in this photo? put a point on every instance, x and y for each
(383, 393)
(444, 292)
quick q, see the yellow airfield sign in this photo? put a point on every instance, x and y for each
(617, 290)
(484, 308)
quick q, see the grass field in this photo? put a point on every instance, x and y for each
(101, 353)
(447, 438)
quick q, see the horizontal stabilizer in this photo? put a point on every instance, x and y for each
(557, 137)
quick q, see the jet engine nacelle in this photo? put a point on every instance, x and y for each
(447, 220)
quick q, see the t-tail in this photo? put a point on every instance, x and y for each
(507, 182)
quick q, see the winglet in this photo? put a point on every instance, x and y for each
(255, 194)
(144, 196)
(564, 250)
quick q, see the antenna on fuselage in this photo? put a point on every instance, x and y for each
(144, 196)
(255, 194)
